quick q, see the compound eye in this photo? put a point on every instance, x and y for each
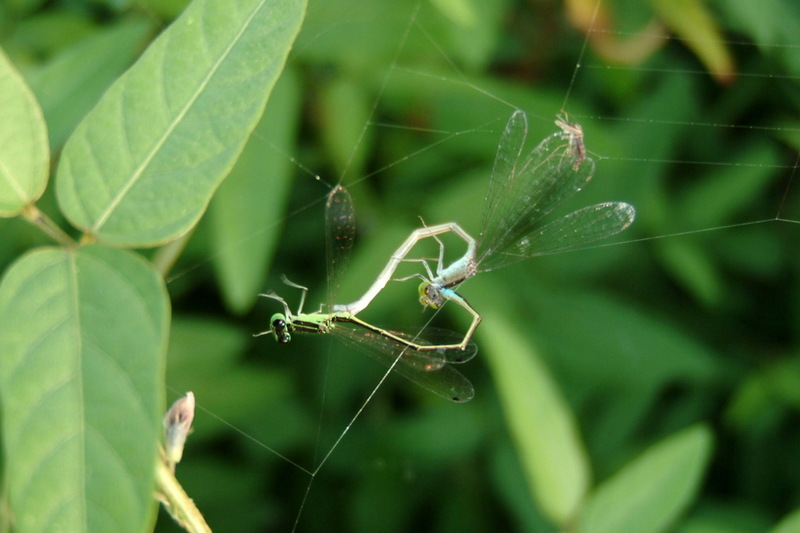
(280, 330)
(423, 289)
(429, 297)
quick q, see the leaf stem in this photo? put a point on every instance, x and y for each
(175, 500)
(32, 214)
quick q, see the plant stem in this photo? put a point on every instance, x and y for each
(177, 503)
(32, 214)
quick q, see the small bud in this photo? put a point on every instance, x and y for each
(177, 425)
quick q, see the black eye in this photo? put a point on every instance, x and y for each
(281, 333)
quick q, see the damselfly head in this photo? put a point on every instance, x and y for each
(279, 329)
(429, 296)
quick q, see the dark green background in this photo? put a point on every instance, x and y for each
(692, 318)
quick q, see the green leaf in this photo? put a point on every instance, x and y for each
(71, 84)
(722, 515)
(460, 12)
(473, 29)
(163, 9)
(728, 190)
(510, 486)
(692, 21)
(249, 397)
(344, 110)
(542, 426)
(83, 337)
(790, 524)
(244, 211)
(602, 348)
(50, 32)
(773, 26)
(24, 154)
(691, 265)
(650, 491)
(142, 166)
(367, 36)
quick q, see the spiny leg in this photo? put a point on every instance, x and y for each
(417, 274)
(409, 344)
(287, 316)
(573, 132)
(399, 255)
(435, 296)
(303, 292)
(279, 329)
(274, 296)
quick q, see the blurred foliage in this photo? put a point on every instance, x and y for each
(675, 352)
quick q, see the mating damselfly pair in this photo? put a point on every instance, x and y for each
(523, 190)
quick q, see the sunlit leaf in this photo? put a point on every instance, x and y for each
(696, 25)
(542, 426)
(83, 338)
(790, 524)
(69, 85)
(244, 211)
(142, 166)
(24, 153)
(345, 109)
(648, 493)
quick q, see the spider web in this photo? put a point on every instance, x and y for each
(308, 436)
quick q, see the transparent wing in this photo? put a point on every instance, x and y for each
(505, 162)
(579, 228)
(439, 336)
(447, 383)
(340, 231)
(427, 368)
(517, 201)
